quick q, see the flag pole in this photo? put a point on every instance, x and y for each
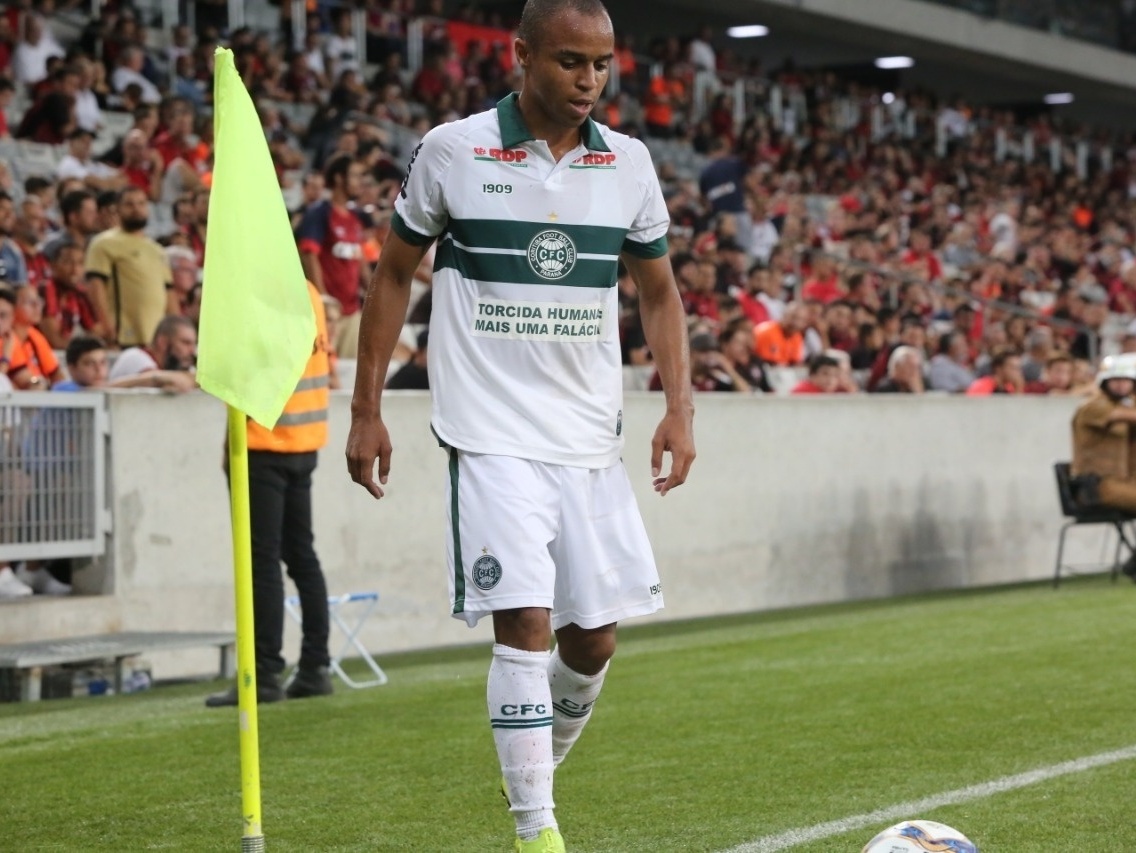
(252, 840)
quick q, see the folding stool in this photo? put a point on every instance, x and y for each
(363, 603)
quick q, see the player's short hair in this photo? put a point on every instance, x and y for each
(537, 15)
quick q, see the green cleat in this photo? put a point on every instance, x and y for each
(549, 841)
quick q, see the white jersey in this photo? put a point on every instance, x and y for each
(524, 353)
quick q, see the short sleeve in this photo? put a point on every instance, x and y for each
(313, 228)
(420, 209)
(99, 261)
(647, 237)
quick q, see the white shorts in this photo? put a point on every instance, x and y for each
(530, 534)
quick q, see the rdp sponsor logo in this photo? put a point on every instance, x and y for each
(522, 710)
(594, 161)
(512, 156)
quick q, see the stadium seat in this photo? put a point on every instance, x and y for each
(363, 603)
(34, 158)
(1080, 514)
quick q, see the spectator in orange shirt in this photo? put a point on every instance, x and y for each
(665, 92)
(1005, 376)
(32, 351)
(782, 342)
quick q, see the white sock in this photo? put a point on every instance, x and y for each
(520, 713)
(573, 696)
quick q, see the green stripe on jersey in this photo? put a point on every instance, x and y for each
(414, 238)
(516, 269)
(654, 249)
(459, 567)
(507, 234)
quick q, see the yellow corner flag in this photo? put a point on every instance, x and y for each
(257, 332)
(257, 326)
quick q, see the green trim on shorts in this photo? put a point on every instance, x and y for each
(459, 566)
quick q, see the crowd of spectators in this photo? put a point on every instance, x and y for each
(827, 237)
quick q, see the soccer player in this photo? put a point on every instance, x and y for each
(532, 205)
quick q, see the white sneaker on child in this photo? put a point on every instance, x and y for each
(11, 586)
(42, 581)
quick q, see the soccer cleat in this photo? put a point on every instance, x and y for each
(549, 841)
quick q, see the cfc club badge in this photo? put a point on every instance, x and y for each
(486, 571)
(552, 254)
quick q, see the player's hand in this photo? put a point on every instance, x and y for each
(674, 435)
(367, 441)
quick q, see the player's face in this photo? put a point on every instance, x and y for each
(567, 68)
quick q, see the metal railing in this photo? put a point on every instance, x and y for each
(53, 497)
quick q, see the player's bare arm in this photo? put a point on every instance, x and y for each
(664, 325)
(384, 308)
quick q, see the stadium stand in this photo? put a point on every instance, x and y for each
(874, 215)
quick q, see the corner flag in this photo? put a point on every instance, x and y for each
(257, 327)
(257, 333)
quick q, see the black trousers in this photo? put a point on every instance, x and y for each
(280, 500)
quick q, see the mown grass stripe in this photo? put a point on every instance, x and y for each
(900, 811)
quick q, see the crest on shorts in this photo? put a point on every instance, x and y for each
(486, 571)
(552, 254)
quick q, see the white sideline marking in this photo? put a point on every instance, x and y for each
(916, 808)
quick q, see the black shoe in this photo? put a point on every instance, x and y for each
(267, 690)
(310, 681)
(1129, 567)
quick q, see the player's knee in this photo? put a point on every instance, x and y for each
(527, 628)
(586, 652)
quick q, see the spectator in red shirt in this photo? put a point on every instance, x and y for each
(180, 155)
(142, 166)
(696, 282)
(1005, 376)
(824, 284)
(823, 378)
(67, 306)
(7, 93)
(919, 258)
(331, 247)
(31, 228)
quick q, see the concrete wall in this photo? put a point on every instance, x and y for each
(792, 501)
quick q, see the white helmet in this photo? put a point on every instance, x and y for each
(1121, 366)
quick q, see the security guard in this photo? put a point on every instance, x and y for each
(281, 462)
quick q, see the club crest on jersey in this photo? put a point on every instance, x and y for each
(552, 254)
(486, 571)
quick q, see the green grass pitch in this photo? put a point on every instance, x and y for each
(709, 735)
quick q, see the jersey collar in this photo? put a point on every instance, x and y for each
(514, 131)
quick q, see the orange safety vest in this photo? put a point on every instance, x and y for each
(303, 426)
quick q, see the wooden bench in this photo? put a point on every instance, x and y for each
(29, 659)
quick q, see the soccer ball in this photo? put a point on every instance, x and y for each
(919, 836)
